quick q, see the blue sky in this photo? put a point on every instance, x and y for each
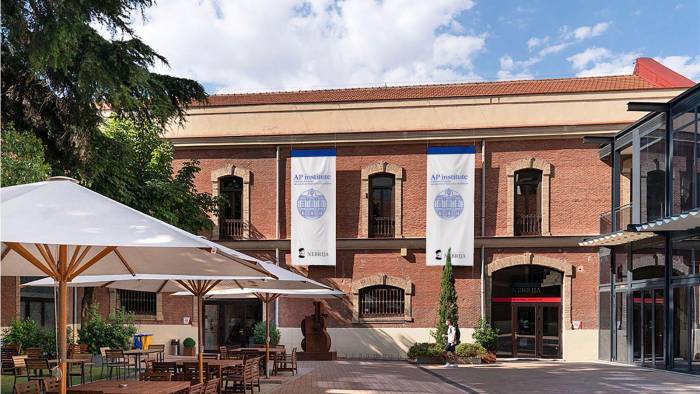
(244, 46)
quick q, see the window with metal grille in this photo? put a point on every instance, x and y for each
(137, 302)
(381, 301)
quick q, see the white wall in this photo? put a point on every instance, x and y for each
(580, 345)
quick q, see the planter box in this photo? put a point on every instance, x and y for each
(468, 360)
(188, 351)
(430, 360)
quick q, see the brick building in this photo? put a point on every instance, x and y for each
(539, 191)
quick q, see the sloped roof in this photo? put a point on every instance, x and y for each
(648, 74)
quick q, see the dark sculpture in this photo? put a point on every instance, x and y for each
(313, 328)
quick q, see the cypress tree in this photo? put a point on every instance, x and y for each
(447, 303)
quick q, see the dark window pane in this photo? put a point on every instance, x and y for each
(648, 261)
(137, 302)
(527, 201)
(604, 266)
(652, 168)
(382, 301)
(526, 281)
(604, 329)
(381, 205)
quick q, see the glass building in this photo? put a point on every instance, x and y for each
(649, 290)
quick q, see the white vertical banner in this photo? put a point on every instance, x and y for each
(450, 205)
(313, 207)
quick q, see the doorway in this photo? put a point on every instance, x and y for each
(526, 310)
(648, 327)
(230, 322)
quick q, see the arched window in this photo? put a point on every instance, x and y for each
(231, 213)
(528, 202)
(381, 205)
(381, 301)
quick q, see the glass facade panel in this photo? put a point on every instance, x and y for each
(685, 169)
(682, 321)
(621, 326)
(604, 326)
(652, 155)
(621, 264)
(648, 261)
(685, 253)
(604, 265)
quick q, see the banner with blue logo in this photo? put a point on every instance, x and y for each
(450, 205)
(313, 206)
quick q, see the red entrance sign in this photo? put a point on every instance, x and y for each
(526, 299)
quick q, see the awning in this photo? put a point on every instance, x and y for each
(618, 238)
(681, 222)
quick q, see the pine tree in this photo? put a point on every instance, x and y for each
(447, 303)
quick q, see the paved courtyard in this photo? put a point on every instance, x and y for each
(356, 377)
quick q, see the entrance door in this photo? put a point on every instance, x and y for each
(648, 327)
(536, 330)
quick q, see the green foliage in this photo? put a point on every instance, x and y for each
(22, 158)
(486, 336)
(259, 333)
(447, 303)
(27, 333)
(134, 166)
(59, 73)
(469, 350)
(116, 331)
(188, 342)
(424, 349)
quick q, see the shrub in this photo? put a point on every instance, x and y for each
(188, 342)
(26, 333)
(469, 350)
(116, 331)
(259, 333)
(424, 349)
(486, 336)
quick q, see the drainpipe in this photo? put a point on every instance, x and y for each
(277, 221)
(483, 227)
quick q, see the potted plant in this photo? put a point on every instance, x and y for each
(188, 344)
(469, 353)
(486, 336)
(426, 353)
(259, 334)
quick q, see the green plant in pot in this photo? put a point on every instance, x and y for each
(486, 336)
(189, 345)
(259, 333)
(426, 353)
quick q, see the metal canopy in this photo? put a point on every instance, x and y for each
(681, 222)
(618, 238)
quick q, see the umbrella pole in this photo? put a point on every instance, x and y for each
(200, 328)
(267, 339)
(62, 337)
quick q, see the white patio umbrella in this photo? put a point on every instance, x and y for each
(267, 293)
(63, 230)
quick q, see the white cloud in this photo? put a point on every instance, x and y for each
(512, 70)
(251, 46)
(687, 66)
(535, 42)
(584, 32)
(594, 62)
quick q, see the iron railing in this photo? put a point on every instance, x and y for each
(137, 302)
(232, 228)
(381, 227)
(530, 224)
(623, 216)
(382, 301)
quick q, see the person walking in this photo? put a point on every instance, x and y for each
(451, 343)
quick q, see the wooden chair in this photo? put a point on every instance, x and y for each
(103, 356)
(117, 360)
(254, 373)
(30, 387)
(169, 367)
(35, 352)
(288, 362)
(19, 368)
(6, 355)
(51, 385)
(223, 352)
(210, 356)
(37, 368)
(233, 379)
(155, 376)
(79, 369)
(73, 349)
(190, 372)
(196, 388)
(212, 386)
(160, 356)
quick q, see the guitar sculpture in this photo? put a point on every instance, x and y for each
(313, 328)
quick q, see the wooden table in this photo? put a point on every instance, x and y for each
(132, 387)
(261, 351)
(220, 364)
(137, 353)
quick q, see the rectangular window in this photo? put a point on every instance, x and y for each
(142, 303)
(652, 155)
(381, 301)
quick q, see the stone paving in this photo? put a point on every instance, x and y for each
(565, 377)
(354, 377)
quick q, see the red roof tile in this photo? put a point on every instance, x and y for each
(648, 74)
